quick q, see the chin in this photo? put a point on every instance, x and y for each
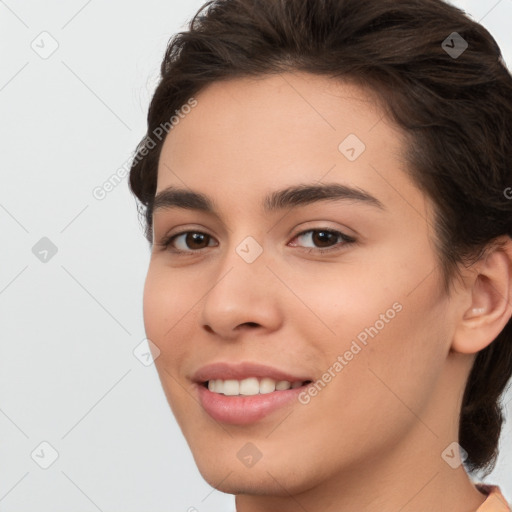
(269, 476)
(247, 482)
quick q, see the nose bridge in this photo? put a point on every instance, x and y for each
(240, 293)
(243, 267)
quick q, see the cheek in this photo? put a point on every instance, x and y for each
(391, 333)
(339, 304)
(154, 307)
(165, 307)
(399, 360)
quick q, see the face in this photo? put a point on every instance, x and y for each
(308, 265)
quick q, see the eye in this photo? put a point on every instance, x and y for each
(188, 242)
(324, 238)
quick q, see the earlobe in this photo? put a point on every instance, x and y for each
(490, 305)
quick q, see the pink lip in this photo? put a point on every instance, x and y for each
(243, 410)
(243, 370)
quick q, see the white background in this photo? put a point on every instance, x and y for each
(68, 375)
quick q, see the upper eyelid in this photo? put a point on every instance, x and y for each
(301, 232)
(316, 227)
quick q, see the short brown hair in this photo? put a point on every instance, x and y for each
(455, 109)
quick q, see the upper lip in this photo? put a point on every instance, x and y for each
(243, 370)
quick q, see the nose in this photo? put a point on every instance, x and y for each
(242, 296)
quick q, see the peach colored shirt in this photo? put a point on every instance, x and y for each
(495, 501)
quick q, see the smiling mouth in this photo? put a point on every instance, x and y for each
(251, 386)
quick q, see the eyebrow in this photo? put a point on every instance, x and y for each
(290, 197)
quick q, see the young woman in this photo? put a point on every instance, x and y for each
(326, 190)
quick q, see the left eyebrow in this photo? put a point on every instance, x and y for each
(290, 197)
(302, 195)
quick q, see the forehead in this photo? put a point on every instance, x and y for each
(248, 113)
(253, 134)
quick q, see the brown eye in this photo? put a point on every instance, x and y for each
(196, 240)
(187, 242)
(324, 238)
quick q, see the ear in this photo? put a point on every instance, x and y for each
(490, 302)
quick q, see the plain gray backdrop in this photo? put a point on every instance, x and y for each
(76, 394)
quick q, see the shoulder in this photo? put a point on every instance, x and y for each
(495, 501)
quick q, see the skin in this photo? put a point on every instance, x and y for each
(372, 439)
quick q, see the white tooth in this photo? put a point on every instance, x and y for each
(267, 385)
(231, 387)
(282, 385)
(219, 386)
(249, 386)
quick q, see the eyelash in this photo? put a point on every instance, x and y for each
(347, 240)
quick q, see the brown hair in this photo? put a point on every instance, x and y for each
(456, 111)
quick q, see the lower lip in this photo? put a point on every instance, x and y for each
(243, 410)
